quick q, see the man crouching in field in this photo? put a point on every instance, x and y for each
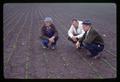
(49, 34)
(91, 40)
(75, 32)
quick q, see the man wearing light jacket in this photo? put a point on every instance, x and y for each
(75, 32)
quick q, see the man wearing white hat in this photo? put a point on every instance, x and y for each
(49, 34)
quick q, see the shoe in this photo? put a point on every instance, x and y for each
(94, 57)
(97, 56)
(90, 56)
(53, 47)
(44, 47)
(79, 48)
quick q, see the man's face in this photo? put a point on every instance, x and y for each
(86, 27)
(75, 24)
(47, 23)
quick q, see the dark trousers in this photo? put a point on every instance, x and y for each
(46, 41)
(70, 39)
(94, 48)
(49, 33)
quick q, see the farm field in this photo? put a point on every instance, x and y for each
(24, 57)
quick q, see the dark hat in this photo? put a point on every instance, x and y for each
(87, 22)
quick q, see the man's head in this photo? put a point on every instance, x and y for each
(48, 21)
(86, 25)
(75, 23)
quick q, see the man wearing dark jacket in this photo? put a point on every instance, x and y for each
(91, 40)
(49, 34)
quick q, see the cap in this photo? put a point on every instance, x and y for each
(48, 19)
(87, 22)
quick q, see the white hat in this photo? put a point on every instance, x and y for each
(48, 19)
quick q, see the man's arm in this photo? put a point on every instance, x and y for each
(42, 34)
(81, 29)
(70, 32)
(56, 32)
(81, 34)
(91, 38)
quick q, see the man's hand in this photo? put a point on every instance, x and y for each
(52, 39)
(74, 38)
(77, 44)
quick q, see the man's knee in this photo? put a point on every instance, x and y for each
(94, 48)
(56, 38)
(45, 41)
(69, 38)
(101, 47)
